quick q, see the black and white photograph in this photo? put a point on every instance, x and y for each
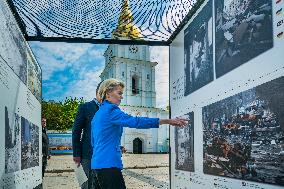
(13, 48)
(34, 76)
(243, 135)
(30, 144)
(12, 142)
(184, 145)
(244, 30)
(198, 51)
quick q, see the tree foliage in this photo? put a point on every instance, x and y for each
(60, 115)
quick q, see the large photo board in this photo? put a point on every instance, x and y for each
(243, 135)
(226, 69)
(20, 107)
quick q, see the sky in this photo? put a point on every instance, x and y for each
(73, 70)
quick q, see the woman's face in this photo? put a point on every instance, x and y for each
(115, 96)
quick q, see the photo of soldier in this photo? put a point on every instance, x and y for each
(198, 49)
(243, 135)
(243, 31)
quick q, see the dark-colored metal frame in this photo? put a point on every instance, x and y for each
(103, 41)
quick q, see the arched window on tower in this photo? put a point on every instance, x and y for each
(134, 85)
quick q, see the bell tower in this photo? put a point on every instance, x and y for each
(131, 64)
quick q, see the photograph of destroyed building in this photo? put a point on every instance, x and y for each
(243, 31)
(243, 135)
(30, 144)
(198, 51)
(12, 142)
(184, 145)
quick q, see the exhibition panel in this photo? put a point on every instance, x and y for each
(227, 78)
(20, 107)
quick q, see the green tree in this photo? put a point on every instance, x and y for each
(60, 115)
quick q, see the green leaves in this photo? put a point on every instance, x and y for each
(60, 115)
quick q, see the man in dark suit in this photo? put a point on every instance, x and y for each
(82, 149)
(45, 146)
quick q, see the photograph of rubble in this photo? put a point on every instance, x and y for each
(243, 31)
(184, 145)
(30, 144)
(12, 142)
(243, 135)
(198, 51)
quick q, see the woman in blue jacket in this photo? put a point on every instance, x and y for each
(107, 127)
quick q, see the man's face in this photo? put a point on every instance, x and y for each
(43, 122)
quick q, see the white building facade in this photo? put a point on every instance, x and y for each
(131, 64)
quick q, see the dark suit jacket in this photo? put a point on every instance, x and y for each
(82, 142)
(45, 143)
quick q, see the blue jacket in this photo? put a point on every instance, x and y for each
(107, 127)
(82, 124)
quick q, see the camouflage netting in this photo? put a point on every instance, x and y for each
(146, 20)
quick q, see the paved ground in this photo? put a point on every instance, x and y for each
(147, 171)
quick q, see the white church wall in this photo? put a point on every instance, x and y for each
(151, 137)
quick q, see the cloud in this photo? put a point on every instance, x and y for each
(86, 86)
(69, 69)
(54, 57)
(161, 55)
(73, 70)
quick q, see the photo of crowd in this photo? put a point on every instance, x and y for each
(243, 135)
(243, 31)
(12, 142)
(198, 49)
(30, 144)
(184, 145)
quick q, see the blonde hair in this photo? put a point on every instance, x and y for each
(109, 85)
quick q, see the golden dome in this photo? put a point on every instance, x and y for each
(126, 28)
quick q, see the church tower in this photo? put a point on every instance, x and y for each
(131, 64)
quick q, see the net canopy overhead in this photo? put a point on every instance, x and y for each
(139, 20)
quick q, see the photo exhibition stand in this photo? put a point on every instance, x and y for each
(227, 77)
(20, 107)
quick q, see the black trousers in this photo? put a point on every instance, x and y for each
(110, 178)
(44, 164)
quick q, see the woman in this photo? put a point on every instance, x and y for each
(107, 127)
